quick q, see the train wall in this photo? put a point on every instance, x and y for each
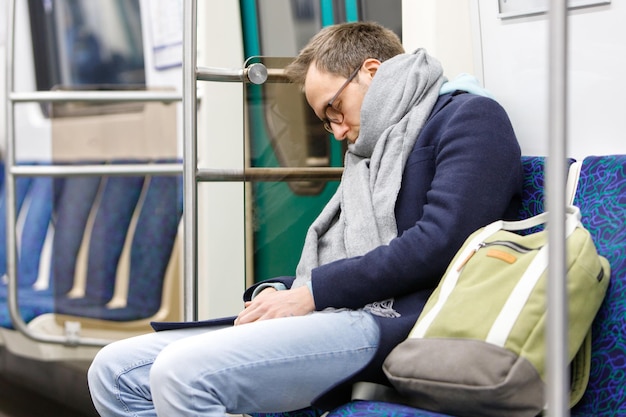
(511, 56)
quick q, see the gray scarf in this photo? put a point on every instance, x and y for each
(360, 216)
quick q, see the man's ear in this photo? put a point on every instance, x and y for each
(371, 66)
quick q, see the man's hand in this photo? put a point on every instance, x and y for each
(270, 304)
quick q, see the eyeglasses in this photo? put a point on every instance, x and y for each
(332, 114)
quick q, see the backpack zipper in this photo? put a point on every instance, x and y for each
(507, 243)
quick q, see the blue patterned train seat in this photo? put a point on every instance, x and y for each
(533, 186)
(73, 201)
(150, 252)
(601, 196)
(34, 200)
(533, 194)
(116, 206)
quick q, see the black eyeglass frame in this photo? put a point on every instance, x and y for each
(339, 119)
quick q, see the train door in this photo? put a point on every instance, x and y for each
(282, 129)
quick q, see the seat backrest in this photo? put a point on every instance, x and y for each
(73, 205)
(533, 193)
(34, 230)
(532, 188)
(152, 244)
(150, 250)
(601, 196)
(115, 211)
(115, 203)
(34, 216)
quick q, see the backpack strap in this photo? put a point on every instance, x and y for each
(580, 369)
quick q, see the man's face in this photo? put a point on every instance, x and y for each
(321, 87)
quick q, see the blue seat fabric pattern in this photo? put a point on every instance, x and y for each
(72, 213)
(305, 412)
(31, 242)
(66, 203)
(115, 211)
(533, 194)
(532, 188)
(151, 250)
(601, 196)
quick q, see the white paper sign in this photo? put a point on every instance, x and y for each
(166, 24)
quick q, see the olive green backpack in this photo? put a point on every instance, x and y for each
(478, 348)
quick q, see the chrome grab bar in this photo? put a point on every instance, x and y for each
(255, 74)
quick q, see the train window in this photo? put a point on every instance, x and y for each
(97, 45)
(293, 131)
(87, 42)
(388, 13)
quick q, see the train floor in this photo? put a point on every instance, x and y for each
(30, 388)
(18, 401)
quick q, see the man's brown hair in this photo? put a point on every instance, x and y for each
(340, 49)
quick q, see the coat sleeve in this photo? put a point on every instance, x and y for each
(475, 164)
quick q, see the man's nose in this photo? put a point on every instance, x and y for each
(340, 130)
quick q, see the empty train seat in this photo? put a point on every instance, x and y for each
(74, 211)
(601, 196)
(32, 230)
(152, 241)
(115, 258)
(73, 201)
(116, 206)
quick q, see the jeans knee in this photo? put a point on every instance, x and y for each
(101, 378)
(164, 375)
(99, 368)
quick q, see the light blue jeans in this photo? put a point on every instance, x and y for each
(271, 365)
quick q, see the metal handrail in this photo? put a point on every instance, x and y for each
(202, 174)
(103, 169)
(93, 96)
(255, 74)
(190, 158)
(557, 388)
(269, 174)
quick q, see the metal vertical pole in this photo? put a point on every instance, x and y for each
(9, 163)
(190, 213)
(557, 366)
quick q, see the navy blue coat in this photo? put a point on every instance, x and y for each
(463, 173)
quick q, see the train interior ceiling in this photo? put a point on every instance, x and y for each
(98, 253)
